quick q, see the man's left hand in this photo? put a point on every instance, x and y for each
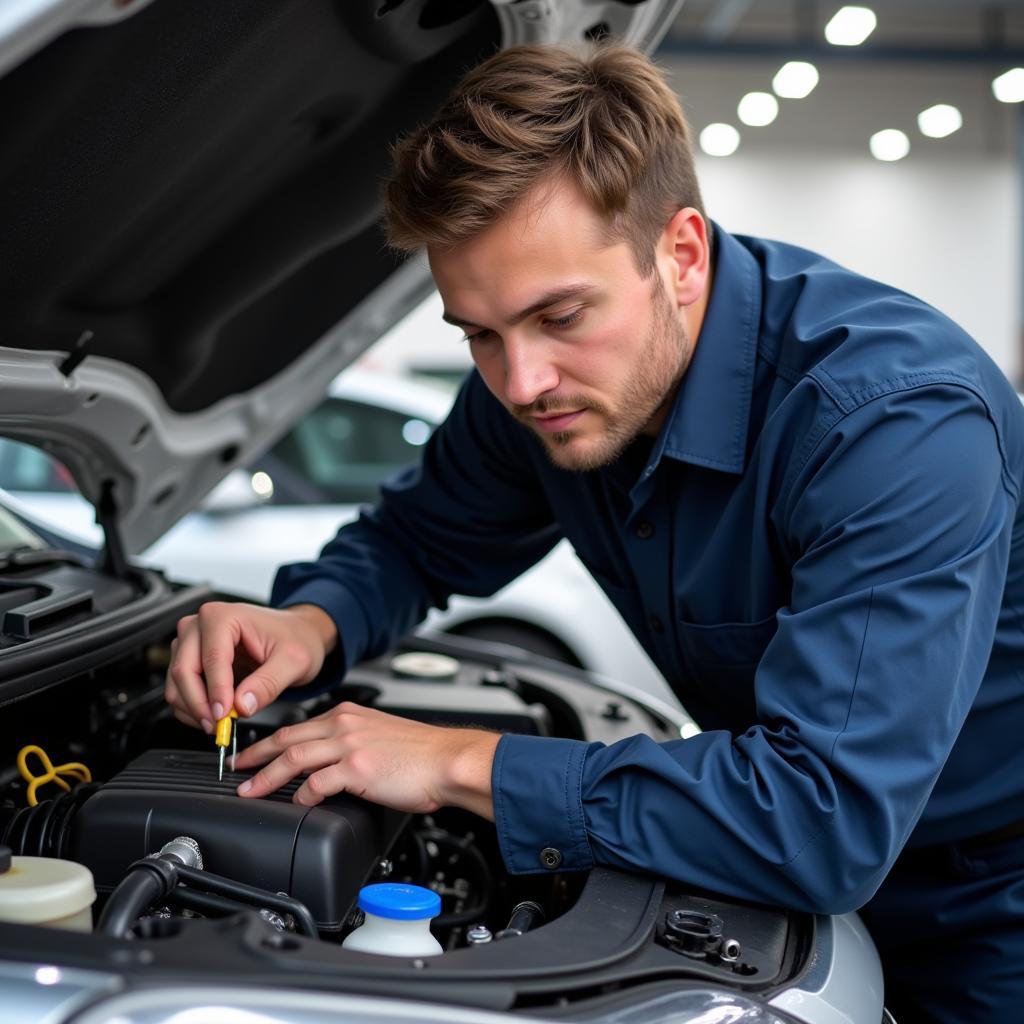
(389, 760)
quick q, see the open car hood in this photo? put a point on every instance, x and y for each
(189, 193)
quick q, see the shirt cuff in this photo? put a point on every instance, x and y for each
(536, 784)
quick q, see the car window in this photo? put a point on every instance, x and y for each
(25, 468)
(347, 448)
(43, 490)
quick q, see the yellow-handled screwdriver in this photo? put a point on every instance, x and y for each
(227, 732)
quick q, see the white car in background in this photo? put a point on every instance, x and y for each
(291, 500)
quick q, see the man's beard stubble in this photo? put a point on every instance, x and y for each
(652, 383)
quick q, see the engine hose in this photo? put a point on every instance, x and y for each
(43, 830)
(445, 840)
(147, 882)
(525, 915)
(251, 896)
(207, 903)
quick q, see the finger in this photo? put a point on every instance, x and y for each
(180, 712)
(186, 719)
(286, 665)
(184, 685)
(298, 758)
(334, 778)
(218, 634)
(273, 746)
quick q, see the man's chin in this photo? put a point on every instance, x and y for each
(577, 452)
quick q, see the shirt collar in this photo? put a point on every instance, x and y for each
(707, 424)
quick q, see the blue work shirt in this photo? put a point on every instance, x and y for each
(822, 553)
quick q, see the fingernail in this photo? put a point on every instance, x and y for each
(245, 787)
(207, 725)
(218, 710)
(248, 703)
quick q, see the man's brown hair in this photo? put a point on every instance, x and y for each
(606, 121)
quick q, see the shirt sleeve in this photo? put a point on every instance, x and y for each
(897, 527)
(468, 519)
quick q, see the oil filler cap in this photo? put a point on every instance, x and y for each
(424, 665)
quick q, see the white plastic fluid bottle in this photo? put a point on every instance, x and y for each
(397, 921)
(46, 891)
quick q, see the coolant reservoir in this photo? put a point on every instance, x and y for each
(46, 891)
(397, 921)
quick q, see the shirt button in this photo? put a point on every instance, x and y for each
(657, 625)
(645, 530)
(550, 858)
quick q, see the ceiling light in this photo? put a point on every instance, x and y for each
(939, 121)
(758, 109)
(719, 139)
(795, 80)
(890, 144)
(1009, 87)
(850, 26)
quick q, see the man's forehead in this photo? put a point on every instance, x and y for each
(549, 220)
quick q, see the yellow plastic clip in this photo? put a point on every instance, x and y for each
(73, 770)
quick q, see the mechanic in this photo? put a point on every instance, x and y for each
(800, 487)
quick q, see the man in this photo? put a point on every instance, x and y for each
(800, 488)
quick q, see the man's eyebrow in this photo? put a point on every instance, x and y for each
(569, 291)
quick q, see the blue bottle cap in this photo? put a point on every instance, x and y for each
(399, 902)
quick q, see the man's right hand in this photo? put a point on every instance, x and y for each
(265, 650)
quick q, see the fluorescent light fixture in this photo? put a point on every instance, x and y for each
(719, 139)
(850, 26)
(890, 144)
(1009, 86)
(939, 121)
(758, 109)
(795, 80)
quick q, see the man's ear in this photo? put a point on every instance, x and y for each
(684, 255)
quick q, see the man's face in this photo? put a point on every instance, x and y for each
(563, 329)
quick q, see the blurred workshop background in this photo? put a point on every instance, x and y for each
(888, 136)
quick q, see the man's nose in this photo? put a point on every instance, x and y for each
(529, 371)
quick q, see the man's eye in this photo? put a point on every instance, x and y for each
(481, 335)
(561, 322)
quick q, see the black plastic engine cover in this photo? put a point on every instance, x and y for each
(320, 855)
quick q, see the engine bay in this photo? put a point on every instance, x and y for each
(273, 885)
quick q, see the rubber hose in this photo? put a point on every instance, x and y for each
(147, 881)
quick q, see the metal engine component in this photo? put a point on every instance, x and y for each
(318, 855)
(185, 849)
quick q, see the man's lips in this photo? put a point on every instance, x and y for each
(553, 423)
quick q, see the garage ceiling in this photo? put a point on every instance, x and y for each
(922, 52)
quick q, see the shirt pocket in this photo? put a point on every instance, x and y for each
(721, 661)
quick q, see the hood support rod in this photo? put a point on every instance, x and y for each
(112, 558)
